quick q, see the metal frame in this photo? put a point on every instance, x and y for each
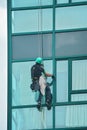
(9, 110)
(54, 58)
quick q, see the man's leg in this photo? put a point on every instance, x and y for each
(48, 96)
(39, 101)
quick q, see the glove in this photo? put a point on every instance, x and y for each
(53, 77)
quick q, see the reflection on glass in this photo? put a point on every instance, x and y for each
(62, 1)
(71, 17)
(31, 46)
(32, 20)
(71, 116)
(71, 44)
(79, 97)
(31, 118)
(27, 3)
(62, 81)
(79, 75)
(21, 80)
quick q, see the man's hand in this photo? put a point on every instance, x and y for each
(53, 77)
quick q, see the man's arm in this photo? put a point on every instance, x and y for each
(48, 74)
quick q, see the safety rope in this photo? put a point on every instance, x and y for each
(40, 24)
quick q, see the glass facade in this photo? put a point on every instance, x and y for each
(55, 30)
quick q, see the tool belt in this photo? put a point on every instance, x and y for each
(35, 84)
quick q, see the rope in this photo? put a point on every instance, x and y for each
(40, 26)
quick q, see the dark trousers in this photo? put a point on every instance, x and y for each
(48, 95)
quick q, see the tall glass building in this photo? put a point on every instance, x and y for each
(55, 30)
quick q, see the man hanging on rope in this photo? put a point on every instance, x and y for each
(38, 76)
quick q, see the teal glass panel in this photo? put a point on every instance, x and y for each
(79, 75)
(31, 20)
(71, 116)
(71, 44)
(79, 97)
(31, 119)
(27, 3)
(79, 0)
(31, 46)
(21, 80)
(62, 1)
(62, 81)
(71, 17)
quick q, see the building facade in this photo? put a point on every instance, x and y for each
(55, 30)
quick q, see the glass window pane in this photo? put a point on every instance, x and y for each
(71, 116)
(79, 0)
(31, 46)
(62, 81)
(26, 3)
(47, 18)
(71, 44)
(31, 118)
(62, 1)
(71, 17)
(21, 80)
(24, 21)
(79, 97)
(79, 75)
(32, 20)
(27, 46)
(47, 45)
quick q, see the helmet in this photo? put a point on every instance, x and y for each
(39, 60)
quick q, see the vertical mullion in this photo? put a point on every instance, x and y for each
(54, 63)
(69, 79)
(9, 113)
(70, 1)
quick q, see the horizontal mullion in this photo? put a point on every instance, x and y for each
(78, 91)
(55, 104)
(72, 128)
(79, 57)
(31, 7)
(31, 33)
(27, 106)
(71, 30)
(45, 32)
(71, 4)
(71, 103)
(30, 59)
(23, 106)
